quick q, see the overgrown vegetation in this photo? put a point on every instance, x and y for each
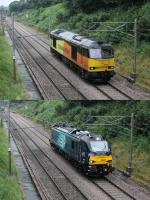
(78, 115)
(9, 185)
(80, 20)
(8, 90)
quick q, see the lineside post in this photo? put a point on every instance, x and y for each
(2, 23)
(14, 57)
(133, 74)
(1, 123)
(130, 168)
(9, 143)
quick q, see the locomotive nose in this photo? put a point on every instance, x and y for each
(100, 160)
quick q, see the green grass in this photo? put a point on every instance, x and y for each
(124, 64)
(9, 185)
(141, 160)
(39, 18)
(8, 90)
(60, 18)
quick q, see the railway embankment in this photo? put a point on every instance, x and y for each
(8, 89)
(9, 185)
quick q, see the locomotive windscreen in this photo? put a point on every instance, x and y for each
(97, 146)
(95, 53)
(107, 52)
(104, 52)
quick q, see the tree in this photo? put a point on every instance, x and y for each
(14, 6)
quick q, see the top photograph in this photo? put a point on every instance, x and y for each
(74, 50)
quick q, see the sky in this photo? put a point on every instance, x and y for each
(5, 2)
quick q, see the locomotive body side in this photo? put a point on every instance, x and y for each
(64, 143)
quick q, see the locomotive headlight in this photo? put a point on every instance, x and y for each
(92, 161)
(92, 68)
(110, 67)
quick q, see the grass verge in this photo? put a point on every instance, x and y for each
(9, 185)
(8, 90)
(141, 160)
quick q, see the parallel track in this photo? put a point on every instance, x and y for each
(57, 83)
(112, 190)
(62, 183)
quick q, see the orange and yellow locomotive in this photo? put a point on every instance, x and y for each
(95, 60)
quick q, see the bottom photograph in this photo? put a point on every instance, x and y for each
(68, 150)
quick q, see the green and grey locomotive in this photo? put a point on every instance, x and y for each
(87, 151)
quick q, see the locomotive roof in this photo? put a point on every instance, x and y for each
(78, 134)
(77, 39)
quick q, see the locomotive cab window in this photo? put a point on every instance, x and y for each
(99, 146)
(95, 53)
(74, 53)
(107, 52)
(85, 53)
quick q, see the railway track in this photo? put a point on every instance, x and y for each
(84, 91)
(52, 84)
(112, 190)
(109, 187)
(101, 92)
(64, 188)
(44, 85)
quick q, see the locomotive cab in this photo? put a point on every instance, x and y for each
(104, 52)
(100, 158)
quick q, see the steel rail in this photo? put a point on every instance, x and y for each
(122, 92)
(44, 72)
(50, 177)
(42, 91)
(31, 172)
(107, 191)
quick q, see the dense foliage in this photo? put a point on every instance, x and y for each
(27, 4)
(74, 5)
(90, 5)
(82, 7)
